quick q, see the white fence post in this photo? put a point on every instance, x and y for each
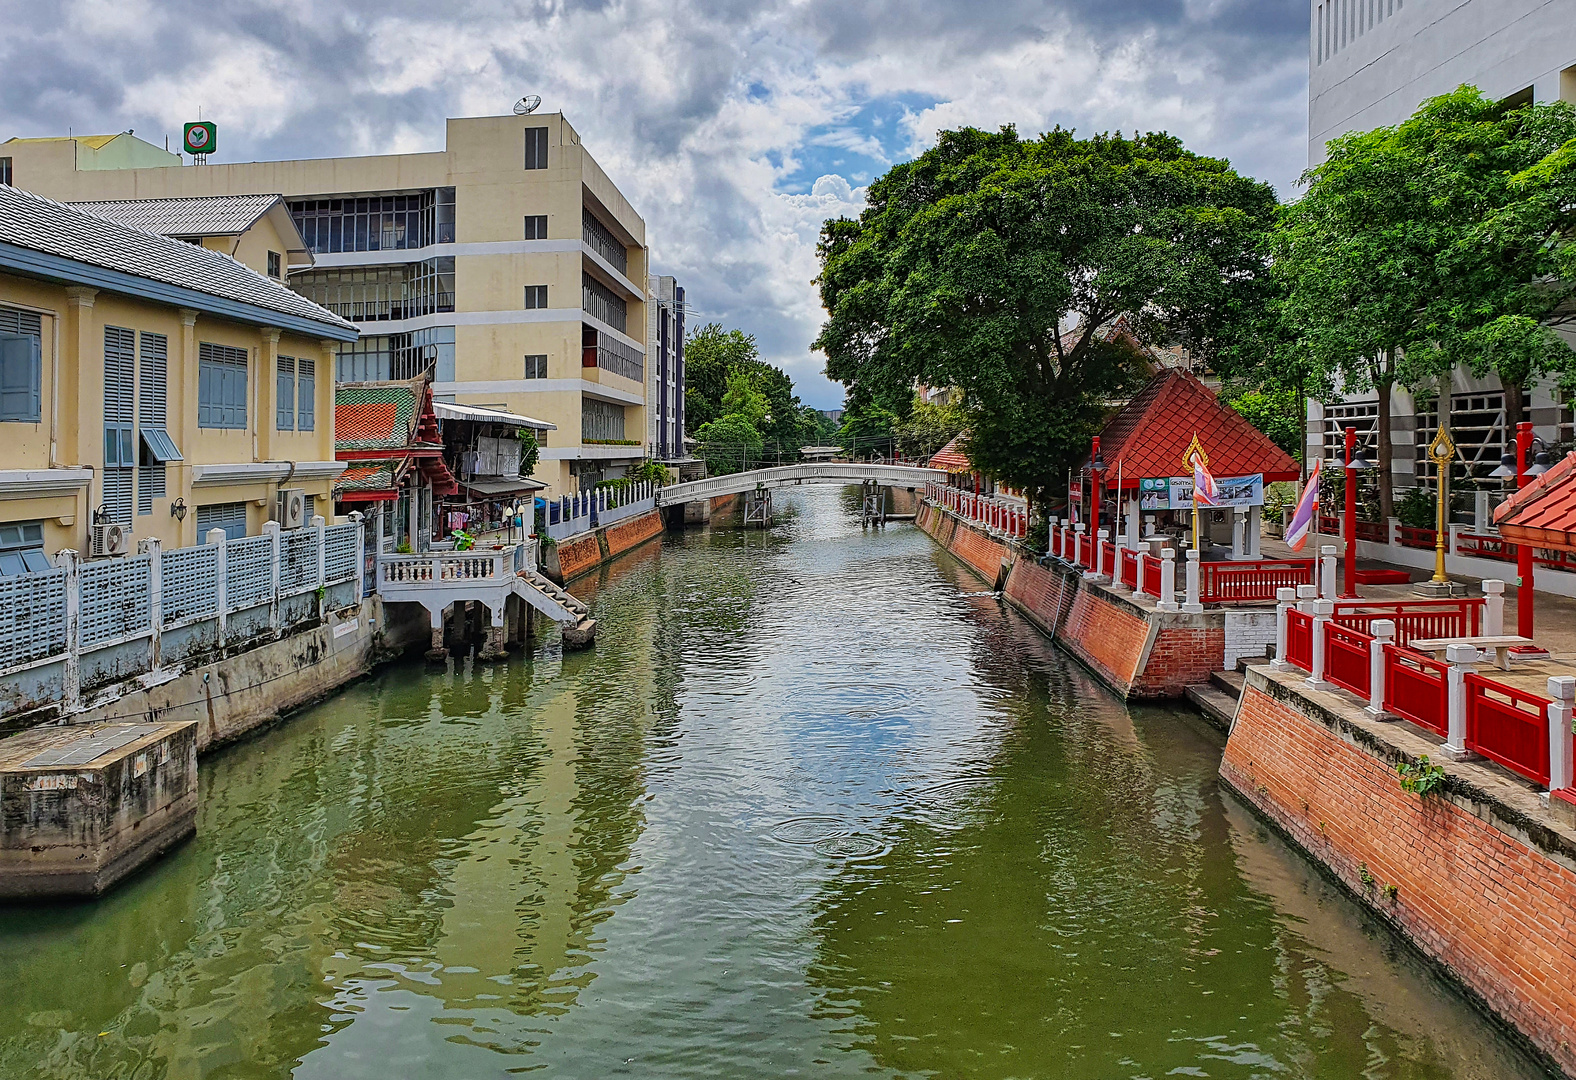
(1327, 572)
(1192, 605)
(1285, 600)
(1462, 660)
(150, 547)
(1098, 571)
(1117, 552)
(1139, 551)
(217, 538)
(1562, 692)
(357, 520)
(1168, 580)
(1493, 607)
(1078, 531)
(271, 530)
(318, 524)
(1306, 595)
(1322, 610)
(1383, 631)
(71, 562)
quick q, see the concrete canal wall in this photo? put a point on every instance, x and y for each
(1137, 651)
(1476, 874)
(579, 555)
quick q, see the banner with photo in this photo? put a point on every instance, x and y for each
(1176, 492)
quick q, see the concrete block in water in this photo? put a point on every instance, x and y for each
(83, 806)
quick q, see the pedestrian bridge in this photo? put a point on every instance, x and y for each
(828, 472)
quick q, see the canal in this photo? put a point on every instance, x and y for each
(813, 806)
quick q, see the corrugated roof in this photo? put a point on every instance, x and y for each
(1543, 512)
(38, 224)
(452, 410)
(97, 142)
(1149, 436)
(212, 215)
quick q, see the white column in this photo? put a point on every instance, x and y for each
(1239, 533)
(1078, 531)
(1168, 580)
(217, 538)
(1383, 631)
(1139, 584)
(271, 529)
(1306, 595)
(1255, 534)
(357, 520)
(149, 546)
(1101, 572)
(1327, 572)
(1192, 604)
(1285, 600)
(1116, 567)
(1562, 692)
(1134, 522)
(1493, 607)
(1462, 659)
(71, 562)
(1322, 610)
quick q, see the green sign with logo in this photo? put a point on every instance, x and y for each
(201, 137)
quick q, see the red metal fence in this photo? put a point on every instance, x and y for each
(1240, 582)
(1416, 689)
(1130, 568)
(1508, 726)
(1414, 618)
(1346, 658)
(1152, 565)
(1299, 639)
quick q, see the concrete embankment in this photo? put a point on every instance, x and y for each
(1475, 873)
(579, 555)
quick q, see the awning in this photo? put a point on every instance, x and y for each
(448, 410)
(160, 446)
(495, 487)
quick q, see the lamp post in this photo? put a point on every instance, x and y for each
(1355, 463)
(1441, 452)
(1524, 475)
(1096, 468)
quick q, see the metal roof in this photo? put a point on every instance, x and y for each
(212, 215)
(44, 238)
(449, 410)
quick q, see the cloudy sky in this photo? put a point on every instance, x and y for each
(734, 126)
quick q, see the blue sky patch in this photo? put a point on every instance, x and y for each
(858, 146)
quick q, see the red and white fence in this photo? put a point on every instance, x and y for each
(1361, 652)
(1003, 516)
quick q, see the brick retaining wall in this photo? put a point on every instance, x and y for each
(1484, 885)
(632, 533)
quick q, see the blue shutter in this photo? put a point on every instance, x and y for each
(306, 395)
(20, 369)
(284, 405)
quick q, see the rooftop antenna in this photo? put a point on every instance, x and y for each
(528, 104)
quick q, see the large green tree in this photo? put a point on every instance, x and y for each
(991, 263)
(1433, 243)
(714, 360)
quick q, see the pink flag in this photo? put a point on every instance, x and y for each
(1307, 509)
(1205, 492)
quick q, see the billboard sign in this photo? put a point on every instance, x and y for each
(201, 137)
(1176, 492)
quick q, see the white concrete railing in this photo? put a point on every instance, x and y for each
(828, 472)
(454, 568)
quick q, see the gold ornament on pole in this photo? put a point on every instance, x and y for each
(1195, 448)
(1442, 452)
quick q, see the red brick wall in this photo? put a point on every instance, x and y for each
(1500, 913)
(1107, 637)
(578, 556)
(1182, 655)
(632, 533)
(979, 551)
(1043, 595)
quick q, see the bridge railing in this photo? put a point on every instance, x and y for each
(1003, 516)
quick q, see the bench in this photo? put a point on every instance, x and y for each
(1501, 644)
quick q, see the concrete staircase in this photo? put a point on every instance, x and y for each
(557, 604)
(1217, 699)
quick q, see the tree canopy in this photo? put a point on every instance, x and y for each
(990, 262)
(715, 362)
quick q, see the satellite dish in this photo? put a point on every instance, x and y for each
(528, 104)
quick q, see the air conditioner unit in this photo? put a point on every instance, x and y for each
(290, 510)
(111, 540)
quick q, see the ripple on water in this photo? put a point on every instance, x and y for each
(851, 847)
(952, 804)
(811, 830)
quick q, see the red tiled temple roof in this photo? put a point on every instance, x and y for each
(1544, 512)
(1151, 433)
(951, 458)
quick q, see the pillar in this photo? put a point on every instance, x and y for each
(1462, 660)
(1168, 580)
(1099, 571)
(1562, 696)
(1192, 604)
(1306, 595)
(1255, 532)
(437, 650)
(267, 393)
(1322, 610)
(1493, 607)
(1327, 571)
(1239, 533)
(1383, 631)
(1285, 600)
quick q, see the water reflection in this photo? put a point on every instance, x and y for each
(812, 804)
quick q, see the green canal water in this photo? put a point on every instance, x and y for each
(813, 806)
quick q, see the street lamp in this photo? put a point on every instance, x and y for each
(1096, 468)
(1355, 463)
(1441, 452)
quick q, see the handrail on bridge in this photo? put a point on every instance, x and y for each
(833, 472)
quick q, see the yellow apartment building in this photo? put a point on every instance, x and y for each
(151, 384)
(508, 263)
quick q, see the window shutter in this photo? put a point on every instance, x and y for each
(285, 406)
(306, 394)
(20, 370)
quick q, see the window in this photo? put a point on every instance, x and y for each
(5, 170)
(231, 517)
(274, 264)
(602, 303)
(398, 356)
(601, 240)
(284, 406)
(536, 227)
(536, 366)
(120, 448)
(371, 294)
(601, 421)
(152, 415)
(616, 357)
(221, 386)
(21, 364)
(378, 222)
(536, 148)
(22, 546)
(306, 394)
(536, 296)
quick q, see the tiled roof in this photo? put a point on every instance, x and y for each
(951, 458)
(1543, 512)
(1149, 436)
(374, 416)
(214, 215)
(366, 476)
(38, 224)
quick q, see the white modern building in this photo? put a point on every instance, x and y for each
(665, 368)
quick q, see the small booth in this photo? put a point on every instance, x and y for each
(387, 434)
(1146, 489)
